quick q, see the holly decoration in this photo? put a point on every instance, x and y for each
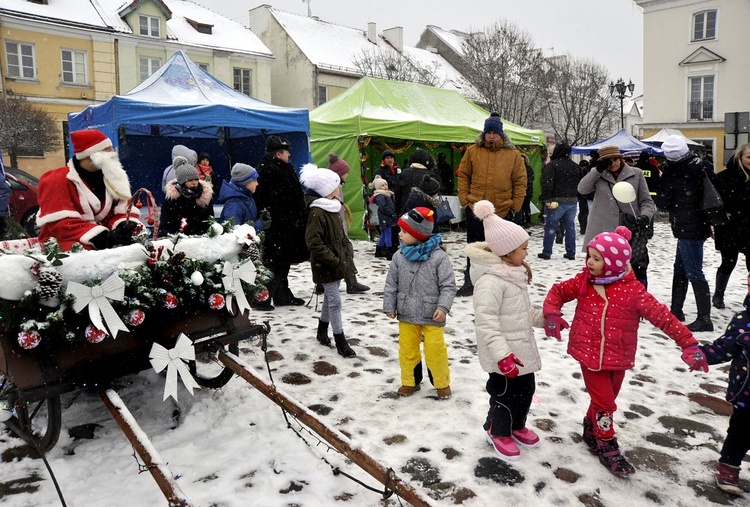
(136, 317)
(94, 334)
(216, 301)
(29, 339)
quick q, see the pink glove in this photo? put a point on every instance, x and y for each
(507, 366)
(554, 325)
(695, 358)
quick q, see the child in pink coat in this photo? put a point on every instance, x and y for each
(604, 334)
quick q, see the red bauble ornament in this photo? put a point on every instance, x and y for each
(29, 339)
(136, 317)
(262, 296)
(150, 221)
(94, 334)
(138, 204)
(216, 301)
(170, 301)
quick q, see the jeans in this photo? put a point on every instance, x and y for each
(565, 213)
(688, 261)
(331, 310)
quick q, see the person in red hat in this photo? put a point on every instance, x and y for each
(85, 201)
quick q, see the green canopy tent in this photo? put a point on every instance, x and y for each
(376, 114)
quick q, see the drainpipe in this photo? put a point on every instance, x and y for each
(117, 66)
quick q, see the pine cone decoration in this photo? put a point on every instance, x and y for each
(253, 253)
(49, 283)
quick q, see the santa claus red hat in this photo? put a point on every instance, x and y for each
(86, 142)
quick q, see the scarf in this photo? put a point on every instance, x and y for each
(332, 205)
(598, 280)
(421, 251)
(189, 193)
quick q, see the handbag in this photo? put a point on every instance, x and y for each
(443, 211)
(712, 206)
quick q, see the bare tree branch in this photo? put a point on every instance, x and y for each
(387, 63)
(26, 128)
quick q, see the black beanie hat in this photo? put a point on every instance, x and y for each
(388, 153)
(420, 156)
(429, 185)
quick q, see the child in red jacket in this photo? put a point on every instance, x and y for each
(604, 334)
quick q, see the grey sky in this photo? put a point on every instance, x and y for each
(608, 31)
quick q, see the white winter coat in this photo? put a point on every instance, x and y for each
(503, 316)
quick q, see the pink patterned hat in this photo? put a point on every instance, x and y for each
(614, 249)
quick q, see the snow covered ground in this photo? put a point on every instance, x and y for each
(232, 447)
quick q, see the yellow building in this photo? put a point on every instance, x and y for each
(68, 55)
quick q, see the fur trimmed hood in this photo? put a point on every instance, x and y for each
(507, 144)
(203, 200)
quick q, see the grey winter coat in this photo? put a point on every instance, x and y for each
(414, 290)
(605, 215)
(503, 316)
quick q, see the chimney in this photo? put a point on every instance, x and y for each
(372, 32)
(395, 36)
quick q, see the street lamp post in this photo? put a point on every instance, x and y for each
(619, 90)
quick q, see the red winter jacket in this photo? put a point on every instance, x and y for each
(604, 331)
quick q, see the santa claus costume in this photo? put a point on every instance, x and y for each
(80, 206)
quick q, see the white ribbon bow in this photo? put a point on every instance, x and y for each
(174, 360)
(96, 298)
(231, 279)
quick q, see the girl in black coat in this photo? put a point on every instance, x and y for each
(733, 184)
(188, 199)
(681, 194)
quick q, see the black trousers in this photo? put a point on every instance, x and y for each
(510, 399)
(737, 442)
(474, 227)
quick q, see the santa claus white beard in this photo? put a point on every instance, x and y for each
(115, 177)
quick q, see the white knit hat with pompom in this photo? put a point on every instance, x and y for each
(501, 235)
(321, 181)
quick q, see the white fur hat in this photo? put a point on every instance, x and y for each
(674, 147)
(319, 180)
(378, 183)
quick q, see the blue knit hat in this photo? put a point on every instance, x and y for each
(493, 124)
(243, 174)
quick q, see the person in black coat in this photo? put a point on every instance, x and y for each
(446, 175)
(421, 163)
(280, 193)
(560, 196)
(388, 170)
(681, 194)
(733, 184)
(525, 215)
(189, 203)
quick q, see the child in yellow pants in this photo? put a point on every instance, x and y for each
(419, 291)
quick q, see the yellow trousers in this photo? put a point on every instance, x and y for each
(435, 353)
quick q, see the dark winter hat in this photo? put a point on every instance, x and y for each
(276, 143)
(388, 153)
(418, 222)
(423, 158)
(243, 174)
(493, 124)
(338, 165)
(183, 171)
(429, 185)
(203, 155)
(608, 152)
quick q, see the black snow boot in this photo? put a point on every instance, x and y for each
(342, 346)
(703, 302)
(610, 457)
(588, 436)
(467, 289)
(679, 292)
(353, 286)
(381, 251)
(722, 279)
(323, 338)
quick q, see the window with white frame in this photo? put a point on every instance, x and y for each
(701, 105)
(322, 94)
(704, 25)
(149, 26)
(148, 65)
(243, 81)
(20, 59)
(73, 67)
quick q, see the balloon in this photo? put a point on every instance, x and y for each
(624, 192)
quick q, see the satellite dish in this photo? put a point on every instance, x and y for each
(624, 192)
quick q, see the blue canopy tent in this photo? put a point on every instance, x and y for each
(183, 104)
(622, 140)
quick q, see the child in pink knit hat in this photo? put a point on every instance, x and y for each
(503, 320)
(604, 334)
